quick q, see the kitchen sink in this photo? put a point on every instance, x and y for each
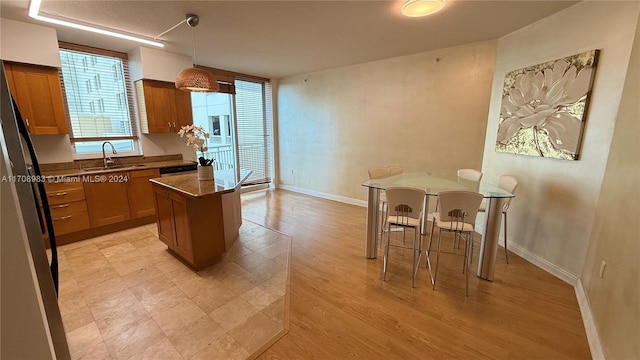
(112, 167)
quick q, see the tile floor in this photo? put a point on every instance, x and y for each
(124, 296)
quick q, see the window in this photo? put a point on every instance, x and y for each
(253, 120)
(98, 100)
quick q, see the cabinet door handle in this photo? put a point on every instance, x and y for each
(61, 206)
(174, 125)
(27, 121)
(169, 124)
(63, 218)
(58, 194)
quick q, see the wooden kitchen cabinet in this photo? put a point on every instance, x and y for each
(108, 201)
(67, 206)
(140, 193)
(37, 92)
(162, 107)
(173, 222)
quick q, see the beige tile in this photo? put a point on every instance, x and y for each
(266, 270)
(250, 260)
(279, 280)
(237, 284)
(76, 245)
(146, 291)
(76, 316)
(162, 350)
(93, 292)
(172, 319)
(96, 352)
(233, 313)
(196, 336)
(168, 264)
(194, 284)
(103, 307)
(276, 310)
(143, 275)
(134, 340)
(122, 249)
(122, 320)
(263, 295)
(83, 338)
(126, 265)
(273, 250)
(256, 331)
(93, 277)
(166, 297)
(209, 299)
(224, 348)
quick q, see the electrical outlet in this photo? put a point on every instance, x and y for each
(603, 265)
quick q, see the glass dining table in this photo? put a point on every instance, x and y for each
(432, 185)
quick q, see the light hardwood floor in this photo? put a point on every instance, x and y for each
(341, 308)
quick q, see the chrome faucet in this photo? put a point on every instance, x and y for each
(107, 160)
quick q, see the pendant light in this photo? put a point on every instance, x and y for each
(417, 8)
(194, 78)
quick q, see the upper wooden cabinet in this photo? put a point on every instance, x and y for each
(36, 89)
(162, 107)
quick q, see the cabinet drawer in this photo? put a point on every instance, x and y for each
(73, 183)
(61, 210)
(65, 196)
(71, 223)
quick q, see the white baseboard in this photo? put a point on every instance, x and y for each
(319, 194)
(595, 346)
(562, 274)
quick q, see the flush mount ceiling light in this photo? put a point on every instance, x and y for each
(194, 78)
(417, 8)
(34, 9)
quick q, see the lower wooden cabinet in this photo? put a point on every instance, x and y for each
(140, 192)
(192, 228)
(108, 201)
(67, 206)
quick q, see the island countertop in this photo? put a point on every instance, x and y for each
(189, 185)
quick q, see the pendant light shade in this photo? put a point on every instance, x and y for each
(417, 8)
(194, 78)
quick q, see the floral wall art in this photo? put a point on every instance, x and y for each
(544, 107)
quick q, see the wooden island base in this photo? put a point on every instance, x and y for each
(198, 220)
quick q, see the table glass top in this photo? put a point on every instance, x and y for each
(433, 184)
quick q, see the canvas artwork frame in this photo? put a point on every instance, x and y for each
(544, 107)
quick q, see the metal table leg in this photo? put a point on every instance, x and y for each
(373, 204)
(490, 237)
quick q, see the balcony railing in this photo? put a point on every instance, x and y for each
(252, 157)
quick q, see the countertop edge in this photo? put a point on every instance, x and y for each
(192, 195)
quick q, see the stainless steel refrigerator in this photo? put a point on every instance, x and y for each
(30, 321)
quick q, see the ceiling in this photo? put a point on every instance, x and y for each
(281, 38)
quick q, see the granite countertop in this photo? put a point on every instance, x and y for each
(188, 184)
(121, 165)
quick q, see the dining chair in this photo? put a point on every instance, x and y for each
(470, 174)
(405, 210)
(456, 214)
(507, 183)
(379, 173)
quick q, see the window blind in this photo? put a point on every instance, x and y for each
(255, 135)
(98, 95)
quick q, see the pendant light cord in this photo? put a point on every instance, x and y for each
(195, 59)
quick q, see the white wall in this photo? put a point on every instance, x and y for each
(28, 43)
(425, 112)
(556, 200)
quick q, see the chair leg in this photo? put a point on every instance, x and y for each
(435, 275)
(413, 260)
(466, 265)
(430, 238)
(506, 253)
(386, 254)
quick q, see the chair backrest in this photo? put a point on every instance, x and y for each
(405, 201)
(378, 172)
(507, 183)
(395, 170)
(470, 174)
(461, 206)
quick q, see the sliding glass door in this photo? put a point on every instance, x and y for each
(240, 128)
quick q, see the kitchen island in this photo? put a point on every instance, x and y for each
(199, 220)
